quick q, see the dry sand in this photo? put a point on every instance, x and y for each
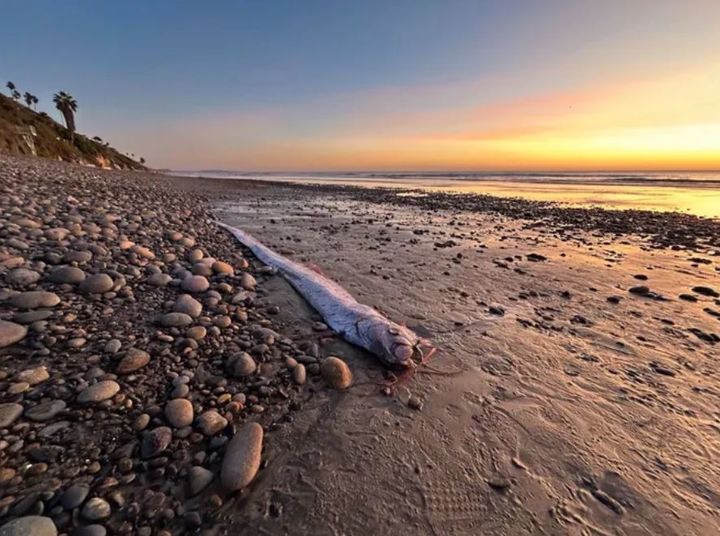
(549, 408)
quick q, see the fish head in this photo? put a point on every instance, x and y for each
(398, 346)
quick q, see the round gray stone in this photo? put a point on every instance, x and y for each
(9, 414)
(67, 274)
(34, 299)
(195, 283)
(10, 333)
(74, 496)
(22, 277)
(188, 305)
(45, 411)
(97, 284)
(176, 320)
(98, 392)
(29, 526)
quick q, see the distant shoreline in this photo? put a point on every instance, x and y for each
(695, 197)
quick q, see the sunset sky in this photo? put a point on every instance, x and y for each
(382, 85)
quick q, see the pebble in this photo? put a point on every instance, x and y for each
(179, 412)
(415, 403)
(98, 392)
(247, 281)
(22, 277)
(176, 320)
(299, 374)
(188, 305)
(90, 530)
(220, 267)
(29, 526)
(113, 346)
(336, 372)
(159, 280)
(33, 376)
(244, 365)
(34, 299)
(197, 333)
(10, 333)
(45, 411)
(195, 283)
(141, 422)
(242, 457)
(71, 275)
(97, 284)
(155, 441)
(211, 423)
(134, 359)
(9, 413)
(74, 496)
(199, 478)
(706, 291)
(96, 509)
(195, 255)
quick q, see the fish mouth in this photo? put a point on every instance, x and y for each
(420, 353)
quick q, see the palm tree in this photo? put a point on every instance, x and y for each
(35, 100)
(29, 98)
(14, 93)
(67, 106)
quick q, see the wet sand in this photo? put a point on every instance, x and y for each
(560, 401)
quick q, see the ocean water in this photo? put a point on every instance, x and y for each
(690, 192)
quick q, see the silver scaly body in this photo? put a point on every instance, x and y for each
(358, 324)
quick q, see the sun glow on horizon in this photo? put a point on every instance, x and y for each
(670, 122)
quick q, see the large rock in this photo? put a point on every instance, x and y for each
(29, 526)
(98, 392)
(10, 333)
(97, 284)
(242, 457)
(188, 305)
(336, 372)
(195, 283)
(179, 412)
(34, 299)
(9, 414)
(134, 359)
(67, 274)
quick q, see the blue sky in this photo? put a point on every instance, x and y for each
(265, 84)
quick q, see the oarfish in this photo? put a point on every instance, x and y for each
(359, 324)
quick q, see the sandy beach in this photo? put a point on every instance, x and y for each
(574, 390)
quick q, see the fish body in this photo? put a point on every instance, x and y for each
(358, 324)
